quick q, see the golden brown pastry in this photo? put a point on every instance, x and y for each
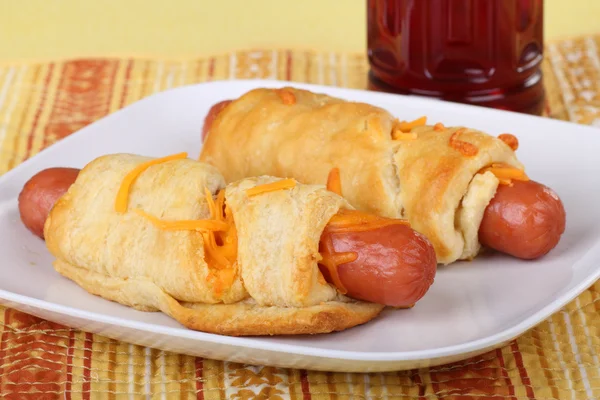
(442, 179)
(126, 244)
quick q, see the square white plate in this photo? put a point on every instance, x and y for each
(471, 308)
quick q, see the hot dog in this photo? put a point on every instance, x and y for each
(388, 262)
(40, 193)
(524, 219)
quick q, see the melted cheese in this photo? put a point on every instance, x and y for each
(271, 187)
(510, 140)
(331, 260)
(219, 235)
(221, 279)
(506, 173)
(334, 183)
(465, 148)
(123, 193)
(223, 244)
(287, 97)
(439, 127)
(405, 126)
(399, 135)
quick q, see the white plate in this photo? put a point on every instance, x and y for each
(471, 308)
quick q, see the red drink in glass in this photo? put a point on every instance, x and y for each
(483, 52)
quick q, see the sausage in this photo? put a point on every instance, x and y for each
(39, 195)
(525, 220)
(394, 264)
(391, 264)
(212, 114)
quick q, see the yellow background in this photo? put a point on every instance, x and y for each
(52, 29)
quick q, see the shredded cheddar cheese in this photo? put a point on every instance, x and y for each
(399, 135)
(219, 235)
(222, 244)
(510, 140)
(465, 148)
(287, 97)
(334, 183)
(271, 187)
(506, 173)
(405, 126)
(331, 260)
(221, 279)
(123, 193)
(439, 127)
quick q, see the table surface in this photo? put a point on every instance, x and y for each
(43, 102)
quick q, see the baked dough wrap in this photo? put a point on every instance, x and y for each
(439, 189)
(127, 259)
(278, 241)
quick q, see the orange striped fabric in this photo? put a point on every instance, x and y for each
(43, 103)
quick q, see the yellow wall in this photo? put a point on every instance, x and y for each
(50, 29)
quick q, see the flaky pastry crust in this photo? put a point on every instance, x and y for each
(429, 175)
(127, 259)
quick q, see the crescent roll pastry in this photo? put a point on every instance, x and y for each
(441, 179)
(169, 235)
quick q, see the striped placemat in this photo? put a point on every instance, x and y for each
(42, 103)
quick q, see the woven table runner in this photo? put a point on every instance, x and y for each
(42, 103)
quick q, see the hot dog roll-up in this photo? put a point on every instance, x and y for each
(442, 179)
(168, 235)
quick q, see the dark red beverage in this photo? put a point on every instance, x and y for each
(483, 52)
